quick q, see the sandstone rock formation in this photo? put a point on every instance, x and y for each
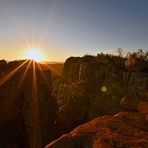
(137, 89)
(93, 74)
(125, 129)
(89, 75)
(105, 86)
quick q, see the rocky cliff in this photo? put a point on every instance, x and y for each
(125, 129)
(27, 110)
(93, 86)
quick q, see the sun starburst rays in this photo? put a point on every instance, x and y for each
(53, 70)
(34, 88)
(23, 76)
(28, 37)
(9, 75)
(23, 71)
(42, 72)
(26, 75)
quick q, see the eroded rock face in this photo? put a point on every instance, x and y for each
(91, 71)
(27, 110)
(89, 75)
(108, 83)
(137, 89)
(128, 129)
(103, 87)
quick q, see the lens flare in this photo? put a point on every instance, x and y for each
(104, 89)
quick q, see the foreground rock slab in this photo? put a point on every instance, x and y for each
(125, 129)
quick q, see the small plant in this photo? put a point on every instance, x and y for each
(137, 61)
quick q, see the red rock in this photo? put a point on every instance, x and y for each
(143, 106)
(125, 129)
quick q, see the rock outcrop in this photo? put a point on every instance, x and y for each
(95, 86)
(125, 129)
(27, 110)
(96, 74)
(137, 89)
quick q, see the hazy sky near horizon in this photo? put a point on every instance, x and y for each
(63, 28)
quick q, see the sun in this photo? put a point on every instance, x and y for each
(33, 54)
